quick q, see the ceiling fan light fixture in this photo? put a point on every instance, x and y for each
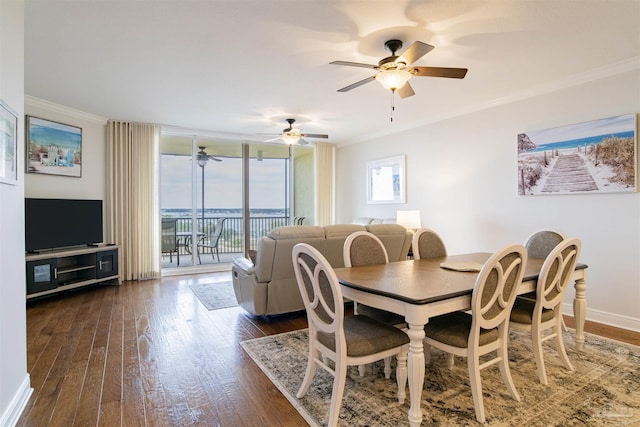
(393, 79)
(291, 138)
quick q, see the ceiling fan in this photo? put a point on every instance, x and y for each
(292, 135)
(203, 157)
(395, 71)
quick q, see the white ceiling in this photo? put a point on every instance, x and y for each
(239, 67)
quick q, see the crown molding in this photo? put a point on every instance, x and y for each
(616, 68)
(32, 101)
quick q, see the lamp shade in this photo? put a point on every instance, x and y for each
(291, 137)
(409, 219)
(393, 79)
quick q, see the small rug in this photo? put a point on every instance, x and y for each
(215, 295)
(604, 390)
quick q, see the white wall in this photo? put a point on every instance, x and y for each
(462, 176)
(15, 387)
(92, 183)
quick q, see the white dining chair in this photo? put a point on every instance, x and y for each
(539, 245)
(486, 329)
(545, 312)
(427, 243)
(347, 341)
(365, 248)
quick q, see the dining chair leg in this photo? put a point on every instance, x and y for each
(536, 338)
(450, 360)
(505, 372)
(476, 386)
(427, 354)
(559, 345)
(339, 380)
(309, 374)
(402, 374)
(387, 367)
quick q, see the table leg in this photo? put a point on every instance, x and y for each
(416, 372)
(580, 310)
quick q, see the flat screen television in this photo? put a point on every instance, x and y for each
(61, 223)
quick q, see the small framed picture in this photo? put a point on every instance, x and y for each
(53, 148)
(8, 144)
(386, 180)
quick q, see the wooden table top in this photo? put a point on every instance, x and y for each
(423, 281)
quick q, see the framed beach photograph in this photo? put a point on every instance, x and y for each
(8, 144)
(386, 180)
(53, 148)
(591, 157)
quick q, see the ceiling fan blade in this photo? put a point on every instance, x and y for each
(353, 64)
(314, 135)
(215, 159)
(454, 73)
(406, 91)
(356, 84)
(303, 142)
(416, 51)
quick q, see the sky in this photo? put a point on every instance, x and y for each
(223, 183)
(581, 130)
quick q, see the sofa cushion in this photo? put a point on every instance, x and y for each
(395, 237)
(336, 235)
(297, 232)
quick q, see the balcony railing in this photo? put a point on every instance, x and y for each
(232, 237)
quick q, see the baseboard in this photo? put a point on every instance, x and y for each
(10, 417)
(623, 322)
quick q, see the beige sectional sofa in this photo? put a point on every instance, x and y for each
(269, 287)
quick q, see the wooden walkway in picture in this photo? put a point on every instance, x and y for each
(569, 174)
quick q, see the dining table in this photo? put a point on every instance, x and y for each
(421, 289)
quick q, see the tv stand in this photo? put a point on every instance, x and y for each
(58, 271)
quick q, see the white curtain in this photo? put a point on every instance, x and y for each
(133, 210)
(324, 167)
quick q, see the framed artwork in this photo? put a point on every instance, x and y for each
(591, 157)
(53, 148)
(8, 144)
(386, 180)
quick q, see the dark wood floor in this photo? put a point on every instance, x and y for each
(149, 354)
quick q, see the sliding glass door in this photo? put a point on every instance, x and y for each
(212, 191)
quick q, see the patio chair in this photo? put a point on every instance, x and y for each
(170, 239)
(212, 241)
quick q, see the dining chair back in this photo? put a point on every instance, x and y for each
(347, 341)
(485, 329)
(170, 239)
(541, 243)
(545, 312)
(212, 241)
(427, 244)
(364, 248)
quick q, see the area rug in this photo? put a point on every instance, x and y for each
(215, 295)
(604, 389)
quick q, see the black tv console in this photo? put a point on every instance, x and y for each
(57, 271)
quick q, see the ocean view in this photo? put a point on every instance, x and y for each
(223, 213)
(578, 142)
